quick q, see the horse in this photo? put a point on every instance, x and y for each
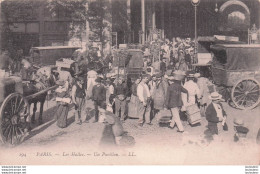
(38, 82)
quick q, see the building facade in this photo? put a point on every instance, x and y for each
(133, 21)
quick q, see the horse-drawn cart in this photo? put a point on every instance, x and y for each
(236, 68)
(204, 52)
(15, 109)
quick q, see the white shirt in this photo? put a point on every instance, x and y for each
(92, 74)
(111, 89)
(140, 88)
(192, 88)
(218, 110)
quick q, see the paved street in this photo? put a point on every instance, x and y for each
(154, 144)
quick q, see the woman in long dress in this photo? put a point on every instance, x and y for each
(63, 101)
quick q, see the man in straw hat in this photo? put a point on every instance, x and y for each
(174, 100)
(192, 89)
(78, 98)
(241, 130)
(144, 96)
(215, 114)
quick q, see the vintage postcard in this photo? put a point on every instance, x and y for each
(130, 82)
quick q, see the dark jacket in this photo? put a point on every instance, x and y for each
(99, 93)
(120, 89)
(211, 116)
(134, 89)
(173, 95)
(80, 92)
(162, 66)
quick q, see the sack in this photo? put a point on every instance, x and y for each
(132, 110)
(117, 128)
(193, 114)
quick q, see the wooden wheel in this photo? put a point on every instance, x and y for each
(14, 111)
(224, 91)
(246, 94)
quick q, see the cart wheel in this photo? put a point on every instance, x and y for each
(14, 111)
(246, 94)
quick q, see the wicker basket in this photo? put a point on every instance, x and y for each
(193, 114)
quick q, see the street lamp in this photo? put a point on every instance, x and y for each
(195, 3)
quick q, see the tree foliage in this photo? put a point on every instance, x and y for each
(13, 11)
(81, 11)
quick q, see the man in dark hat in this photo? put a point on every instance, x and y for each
(99, 97)
(181, 64)
(163, 65)
(78, 98)
(120, 97)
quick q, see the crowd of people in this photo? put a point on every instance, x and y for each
(148, 97)
(173, 86)
(174, 89)
(175, 55)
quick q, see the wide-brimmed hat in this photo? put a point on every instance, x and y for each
(197, 75)
(179, 75)
(121, 77)
(190, 73)
(158, 75)
(242, 131)
(215, 96)
(168, 72)
(146, 75)
(171, 77)
(111, 74)
(238, 122)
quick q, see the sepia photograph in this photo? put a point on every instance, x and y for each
(129, 82)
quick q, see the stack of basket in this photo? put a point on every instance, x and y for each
(193, 114)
